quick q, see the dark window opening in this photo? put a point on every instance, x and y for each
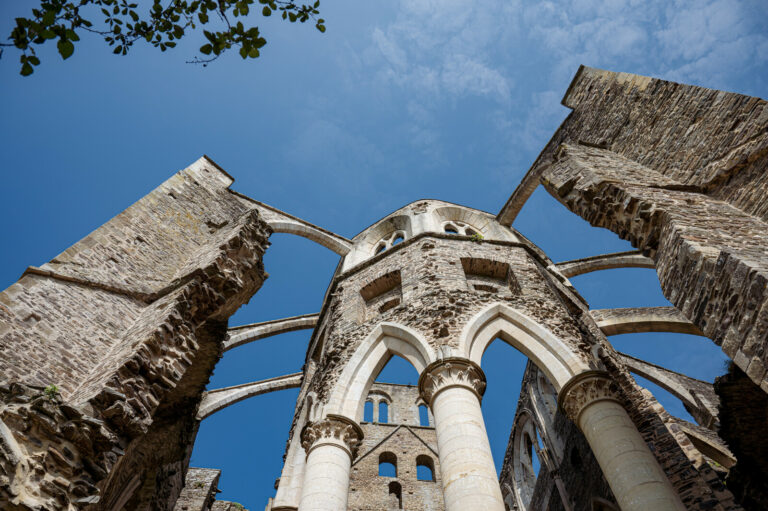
(398, 239)
(387, 464)
(425, 468)
(395, 496)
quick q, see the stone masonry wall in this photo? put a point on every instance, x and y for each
(682, 176)
(128, 323)
(437, 300)
(711, 258)
(406, 440)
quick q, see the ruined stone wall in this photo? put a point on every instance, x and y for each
(437, 300)
(679, 171)
(405, 440)
(128, 323)
(567, 456)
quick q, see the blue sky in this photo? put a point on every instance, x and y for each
(397, 101)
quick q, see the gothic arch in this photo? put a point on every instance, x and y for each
(552, 356)
(387, 339)
(524, 431)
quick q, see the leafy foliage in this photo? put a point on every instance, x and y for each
(51, 392)
(65, 20)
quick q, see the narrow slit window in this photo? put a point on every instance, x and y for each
(423, 415)
(383, 413)
(368, 412)
(395, 496)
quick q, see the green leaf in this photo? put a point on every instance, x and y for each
(26, 69)
(66, 48)
(49, 17)
(244, 9)
(243, 53)
(253, 53)
(71, 35)
(203, 17)
(34, 60)
(207, 49)
(320, 27)
(117, 49)
(266, 11)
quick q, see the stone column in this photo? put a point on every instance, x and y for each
(292, 478)
(453, 388)
(331, 445)
(593, 402)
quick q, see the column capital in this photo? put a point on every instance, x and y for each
(451, 372)
(584, 389)
(333, 429)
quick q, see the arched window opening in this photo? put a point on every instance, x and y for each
(388, 464)
(368, 412)
(397, 239)
(383, 412)
(423, 415)
(381, 248)
(395, 500)
(535, 464)
(470, 232)
(451, 229)
(425, 468)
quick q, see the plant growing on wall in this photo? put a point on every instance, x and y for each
(51, 391)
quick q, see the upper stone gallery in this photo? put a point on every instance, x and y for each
(106, 350)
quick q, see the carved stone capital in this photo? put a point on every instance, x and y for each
(334, 429)
(587, 388)
(451, 372)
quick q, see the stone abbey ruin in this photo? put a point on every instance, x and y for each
(129, 323)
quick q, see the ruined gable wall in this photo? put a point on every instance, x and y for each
(370, 492)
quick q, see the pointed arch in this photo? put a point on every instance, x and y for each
(552, 356)
(387, 339)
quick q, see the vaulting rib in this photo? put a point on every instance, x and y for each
(239, 335)
(698, 396)
(631, 259)
(643, 319)
(218, 399)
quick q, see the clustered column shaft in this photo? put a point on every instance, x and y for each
(453, 388)
(331, 445)
(592, 401)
